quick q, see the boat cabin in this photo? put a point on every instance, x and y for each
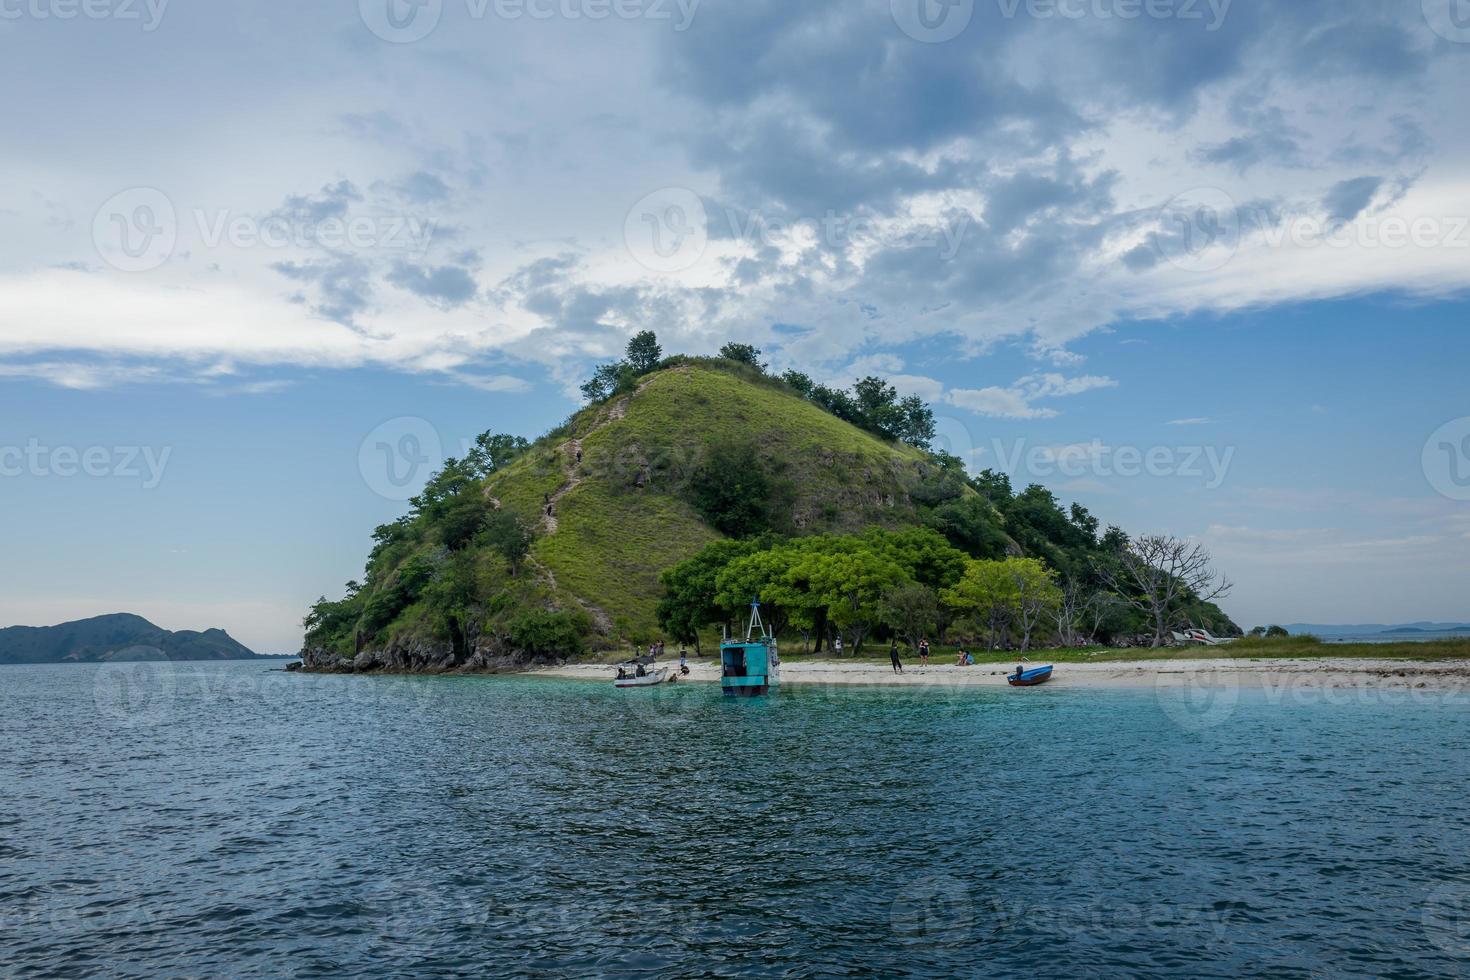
(751, 667)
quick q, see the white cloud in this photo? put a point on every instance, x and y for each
(1019, 400)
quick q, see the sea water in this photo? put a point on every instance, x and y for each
(183, 819)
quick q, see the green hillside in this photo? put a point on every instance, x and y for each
(667, 461)
(621, 517)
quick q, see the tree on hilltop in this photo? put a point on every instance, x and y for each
(743, 354)
(643, 352)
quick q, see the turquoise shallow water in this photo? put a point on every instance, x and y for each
(223, 819)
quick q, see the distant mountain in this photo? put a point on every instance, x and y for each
(1368, 629)
(120, 637)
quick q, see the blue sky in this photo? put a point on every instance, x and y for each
(1202, 267)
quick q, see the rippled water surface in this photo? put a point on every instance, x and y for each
(224, 819)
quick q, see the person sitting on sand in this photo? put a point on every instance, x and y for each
(969, 660)
(959, 661)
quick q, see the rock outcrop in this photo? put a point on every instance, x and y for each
(425, 658)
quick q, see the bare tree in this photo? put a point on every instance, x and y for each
(1156, 571)
(1070, 609)
(1080, 611)
(1100, 605)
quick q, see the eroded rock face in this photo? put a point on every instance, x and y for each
(489, 656)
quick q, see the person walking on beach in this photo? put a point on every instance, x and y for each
(893, 655)
(924, 652)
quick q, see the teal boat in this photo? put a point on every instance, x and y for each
(750, 668)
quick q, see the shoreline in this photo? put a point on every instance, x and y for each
(1317, 672)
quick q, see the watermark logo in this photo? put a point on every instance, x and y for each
(1197, 698)
(1450, 19)
(1447, 460)
(935, 909)
(401, 21)
(396, 458)
(933, 21)
(412, 919)
(136, 230)
(1200, 230)
(1446, 918)
(136, 694)
(667, 231)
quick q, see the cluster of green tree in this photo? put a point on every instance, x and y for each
(819, 586)
(1269, 632)
(909, 584)
(1009, 568)
(872, 403)
(431, 561)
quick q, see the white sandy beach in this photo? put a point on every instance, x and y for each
(1319, 673)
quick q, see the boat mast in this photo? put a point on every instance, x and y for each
(755, 622)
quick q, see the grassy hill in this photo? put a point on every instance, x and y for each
(622, 516)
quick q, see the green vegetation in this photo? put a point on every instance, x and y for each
(1298, 648)
(739, 492)
(688, 486)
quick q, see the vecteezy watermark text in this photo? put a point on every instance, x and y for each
(1208, 464)
(1211, 13)
(139, 229)
(148, 13)
(34, 459)
(1202, 229)
(937, 21)
(407, 21)
(670, 230)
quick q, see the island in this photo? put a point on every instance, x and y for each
(119, 637)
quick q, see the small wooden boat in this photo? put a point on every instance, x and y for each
(1029, 678)
(650, 679)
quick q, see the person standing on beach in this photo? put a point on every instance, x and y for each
(837, 646)
(924, 652)
(893, 655)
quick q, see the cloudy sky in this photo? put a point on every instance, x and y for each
(1199, 264)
